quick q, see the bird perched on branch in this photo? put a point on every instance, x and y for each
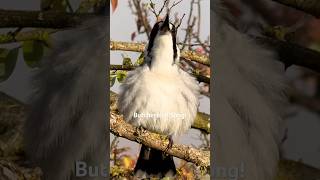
(249, 98)
(160, 97)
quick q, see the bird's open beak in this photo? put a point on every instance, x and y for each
(165, 26)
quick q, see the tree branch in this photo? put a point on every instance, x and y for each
(309, 6)
(120, 128)
(142, 16)
(139, 47)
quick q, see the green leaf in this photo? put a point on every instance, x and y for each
(33, 52)
(126, 61)
(121, 75)
(140, 60)
(8, 60)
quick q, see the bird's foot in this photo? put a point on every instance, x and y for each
(141, 130)
(169, 146)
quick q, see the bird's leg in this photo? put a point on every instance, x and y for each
(140, 130)
(169, 144)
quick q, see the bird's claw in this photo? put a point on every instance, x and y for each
(169, 146)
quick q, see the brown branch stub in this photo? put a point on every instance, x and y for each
(127, 46)
(120, 128)
(139, 47)
(309, 6)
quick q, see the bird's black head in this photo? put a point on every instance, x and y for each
(163, 28)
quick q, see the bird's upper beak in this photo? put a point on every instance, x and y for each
(165, 26)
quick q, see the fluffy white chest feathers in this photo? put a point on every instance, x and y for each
(158, 95)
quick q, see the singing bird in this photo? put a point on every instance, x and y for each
(248, 103)
(159, 96)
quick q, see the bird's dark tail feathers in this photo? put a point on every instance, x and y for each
(154, 163)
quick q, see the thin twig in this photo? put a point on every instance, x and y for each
(191, 32)
(199, 18)
(188, 25)
(143, 18)
(180, 21)
(174, 4)
(165, 2)
(153, 8)
(203, 45)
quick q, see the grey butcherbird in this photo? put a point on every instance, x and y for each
(163, 95)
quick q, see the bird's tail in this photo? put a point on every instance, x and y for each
(154, 163)
(67, 119)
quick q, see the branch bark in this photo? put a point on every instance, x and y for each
(120, 128)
